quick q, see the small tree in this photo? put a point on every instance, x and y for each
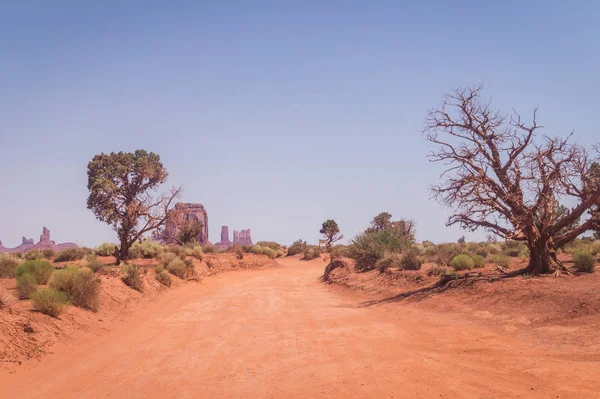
(331, 232)
(121, 194)
(189, 232)
(505, 179)
(381, 221)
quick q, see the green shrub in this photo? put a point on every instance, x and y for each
(389, 261)
(312, 253)
(462, 262)
(257, 249)
(177, 267)
(167, 257)
(411, 260)
(193, 250)
(133, 276)
(93, 263)
(146, 249)
(501, 260)
(162, 276)
(41, 270)
(80, 286)
(49, 301)
(270, 244)
(478, 261)
(71, 254)
(209, 249)
(26, 285)
(33, 254)
(297, 247)
(8, 265)
(105, 249)
(49, 253)
(367, 248)
(584, 261)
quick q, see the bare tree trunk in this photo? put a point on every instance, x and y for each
(542, 258)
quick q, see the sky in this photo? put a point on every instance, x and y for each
(274, 115)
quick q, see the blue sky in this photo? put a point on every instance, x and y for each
(274, 115)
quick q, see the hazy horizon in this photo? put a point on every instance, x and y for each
(274, 117)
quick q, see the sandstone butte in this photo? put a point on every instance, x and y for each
(44, 243)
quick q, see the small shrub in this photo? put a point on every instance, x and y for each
(279, 253)
(462, 262)
(436, 270)
(584, 261)
(411, 260)
(41, 270)
(312, 253)
(195, 251)
(239, 253)
(49, 301)
(167, 257)
(146, 249)
(257, 249)
(71, 254)
(26, 285)
(93, 263)
(8, 265)
(48, 253)
(33, 254)
(209, 249)
(80, 286)
(445, 253)
(162, 276)
(133, 276)
(105, 249)
(5, 300)
(270, 244)
(478, 261)
(389, 261)
(501, 260)
(339, 251)
(177, 267)
(297, 247)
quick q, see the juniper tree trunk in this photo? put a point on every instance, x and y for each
(542, 258)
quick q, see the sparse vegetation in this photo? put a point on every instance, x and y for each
(177, 267)
(41, 270)
(33, 254)
(162, 276)
(584, 262)
(411, 260)
(49, 253)
(297, 247)
(80, 286)
(462, 262)
(105, 249)
(275, 246)
(437, 270)
(501, 260)
(133, 276)
(257, 249)
(312, 253)
(209, 249)
(93, 263)
(393, 260)
(8, 265)
(71, 254)
(193, 250)
(26, 285)
(49, 301)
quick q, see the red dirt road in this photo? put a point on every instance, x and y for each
(280, 333)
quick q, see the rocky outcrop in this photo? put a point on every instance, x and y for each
(44, 243)
(239, 238)
(185, 213)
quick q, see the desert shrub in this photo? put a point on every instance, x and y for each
(26, 285)
(338, 251)
(80, 286)
(71, 254)
(209, 249)
(5, 299)
(312, 253)
(33, 254)
(436, 270)
(49, 301)
(501, 260)
(133, 276)
(162, 276)
(478, 261)
(167, 257)
(279, 253)
(584, 261)
(8, 265)
(105, 249)
(462, 262)
(93, 263)
(493, 248)
(270, 244)
(178, 268)
(48, 253)
(297, 247)
(193, 250)
(257, 249)
(388, 261)
(367, 248)
(445, 253)
(411, 260)
(239, 252)
(146, 249)
(41, 270)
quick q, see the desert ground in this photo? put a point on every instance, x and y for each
(280, 332)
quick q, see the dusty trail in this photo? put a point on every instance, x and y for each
(280, 333)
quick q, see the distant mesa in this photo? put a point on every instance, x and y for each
(44, 243)
(242, 237)
(185, 213)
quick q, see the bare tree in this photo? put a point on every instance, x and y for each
(502, 177)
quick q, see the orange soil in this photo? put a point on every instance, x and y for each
(281, 333)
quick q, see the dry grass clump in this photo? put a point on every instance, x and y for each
(49, 301)
(133, 276)
(584, 262)
(8, 265)
(195, 251)
(162, 276)
(312, 253)
(80, 286)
